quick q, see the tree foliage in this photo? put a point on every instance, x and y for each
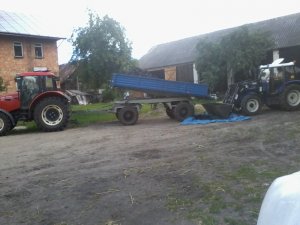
(2, 85)
(100, 49)
(237, 54)
(210, 65)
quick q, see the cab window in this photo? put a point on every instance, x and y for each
(49, 84)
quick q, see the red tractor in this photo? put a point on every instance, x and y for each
(38, 98)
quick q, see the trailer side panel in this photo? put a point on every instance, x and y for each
(159, 86)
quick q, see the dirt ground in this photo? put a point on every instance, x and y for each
(157, 172)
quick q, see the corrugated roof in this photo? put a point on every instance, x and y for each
(19, 24)
(285, 31)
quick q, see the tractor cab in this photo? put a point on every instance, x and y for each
(32, 84)
(275, 77)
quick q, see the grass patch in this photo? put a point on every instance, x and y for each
(230, 221)
(228, 198)
(176, 203)
(245, 173)
(89, 117)
(25, 127)
(201, 217)
(82, 115)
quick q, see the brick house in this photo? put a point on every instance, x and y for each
(24, 46)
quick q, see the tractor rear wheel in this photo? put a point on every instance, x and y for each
(5, 124)
(183, 110)
(51, 114)
(251, 105)
(290, 99)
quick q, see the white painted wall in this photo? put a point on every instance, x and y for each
(195, 74)
(275, 54)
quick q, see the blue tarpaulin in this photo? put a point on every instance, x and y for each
(205, 119)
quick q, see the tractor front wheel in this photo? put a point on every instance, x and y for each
(51, 114)
(251, 105)
(5, 124)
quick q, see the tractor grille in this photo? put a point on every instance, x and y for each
(230, 94)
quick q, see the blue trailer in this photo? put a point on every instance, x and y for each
(176, 96)
(159, 86)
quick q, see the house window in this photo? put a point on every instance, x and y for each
(18, 49)
(38, 51)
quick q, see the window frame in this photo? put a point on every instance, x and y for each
(38, 45)
(18, 44)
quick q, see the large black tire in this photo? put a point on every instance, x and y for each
(51, 114)
(5, 124)
(251, 105)
(183, 110)
(170, 113)
(290, 98)
(128, 115)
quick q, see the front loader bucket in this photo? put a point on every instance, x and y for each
(221, 110)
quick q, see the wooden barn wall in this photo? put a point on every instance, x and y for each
(291, 54)
(157, 74)
(185, 73)
(170, 73)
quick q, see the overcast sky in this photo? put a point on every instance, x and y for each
(151, 22)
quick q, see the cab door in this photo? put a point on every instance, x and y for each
(29, 88)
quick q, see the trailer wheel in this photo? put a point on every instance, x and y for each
(290, 99)
(183, 110)
(128, 115)
(251, 105)
(170, 113)
(5, 124)
(51, 114)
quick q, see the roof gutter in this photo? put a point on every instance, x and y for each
(31, 36)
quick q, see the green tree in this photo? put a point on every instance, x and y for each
(100, 49)
(233, 58)
(210, 64)
(2, 85)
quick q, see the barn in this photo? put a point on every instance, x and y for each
(176, 60)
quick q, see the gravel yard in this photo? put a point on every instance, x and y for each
(156, 172)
